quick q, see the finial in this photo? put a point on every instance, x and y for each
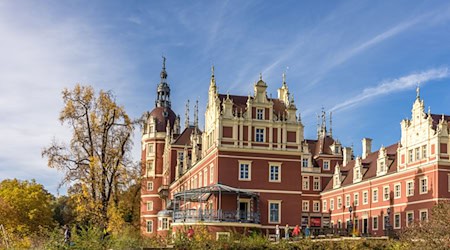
(186, 122)
(418, 90)
(212, 70)
(429, 111)
(228, 95)
(331, 120)
(284, 79)
(260, 76)
(164, 62)
(196, 114)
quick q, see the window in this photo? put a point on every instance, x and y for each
(375, 223)
(200, 179)
(149, 149)
(423, 215)
(316, 183)
(274, 174)
(305, 206)
(326, 165)
(339, 202)
(417, 154)
(409, 218)
(211, 174)
(274, 211)
(244, 172)
(205, 177)
(374, 195)
(181, 157)
(424, 185)
(163, 223)
(332, 204)
(149, 168)
(410, 155)
(397, 221)
(385, 221)
(305, 162)
(356, 199)
(365, 197)
(305, 182)
(386, 193)
(222, 235)
(316, 206)
(324, 206)
(424, 151)
(259, 114)
(409, 188)
(149, 205)
(149, 185)
(397, 190)
(149, 226)
(347, 200)
(259, 135)
(382, 170)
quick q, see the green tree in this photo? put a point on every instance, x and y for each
(25, 208)
(96, 162)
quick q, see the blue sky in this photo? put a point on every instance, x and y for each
(361, 59)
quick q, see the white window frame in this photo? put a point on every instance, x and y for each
(326, 165)
(399, 220)
(324, 206)
(222, 235)
(407, 221)
(421, 185)
(269, 202)
(305, 179)
(305, 206)
(356, 199)
(149, 185)
(316, 206)
(305, 162)
(316, 180)
(249, 171)
(149, 206)
(424, 151)
(147, 226)
(205, 176)
(365, 197)
(163, 223)
(386, 193)
(211, 173)
(278, 174)
(420, 214)
(347, 200)
(374, 195)
(260, 134)
(373, 223)
(408, 194)
(397, 195)
(332, 204)
(384, 221)
(339, 202)
(260, 111)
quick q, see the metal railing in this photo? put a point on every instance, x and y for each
(194, 215)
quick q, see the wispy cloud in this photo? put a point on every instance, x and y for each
(391, 86)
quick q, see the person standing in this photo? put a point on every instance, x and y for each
(286, 232)
(190, 232)
(67, 234)
(307, 231)
(277, 232)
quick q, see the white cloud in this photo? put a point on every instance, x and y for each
(391, 86)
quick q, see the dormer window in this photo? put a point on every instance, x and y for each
(259, 114)
(357, 170)
(337, 177)
(381, 162)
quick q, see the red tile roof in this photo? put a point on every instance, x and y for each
(163, 116)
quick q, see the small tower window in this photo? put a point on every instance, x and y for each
(260, 114)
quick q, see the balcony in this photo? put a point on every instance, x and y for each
(163, 191)
(311, 170)
(194, 215)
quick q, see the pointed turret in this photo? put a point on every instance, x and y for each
(163, 90)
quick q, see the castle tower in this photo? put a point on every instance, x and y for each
(157, 124)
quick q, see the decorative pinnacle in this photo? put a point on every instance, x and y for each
(418, 90)
(212, 71)
(260, 76)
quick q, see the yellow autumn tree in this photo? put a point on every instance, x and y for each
(97, 159)
(25, 209)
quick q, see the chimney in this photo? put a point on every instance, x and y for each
(366, 147)
(347, 152)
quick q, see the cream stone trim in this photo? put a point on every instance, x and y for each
(149, 216)
(150, 195)
(275, 164)
(272, 191)
(261, 158)
(223, 224)
(249, 163)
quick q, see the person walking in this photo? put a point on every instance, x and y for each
(286, 232)
(296, 232)
(277, 232)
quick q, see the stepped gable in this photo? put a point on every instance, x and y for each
(369, 163)
(240, 103)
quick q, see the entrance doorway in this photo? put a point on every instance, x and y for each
(365, 226)
(243, 210)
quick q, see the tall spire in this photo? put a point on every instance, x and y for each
(213, 79)
(196, 114)
(186, 122)
(163, 89)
